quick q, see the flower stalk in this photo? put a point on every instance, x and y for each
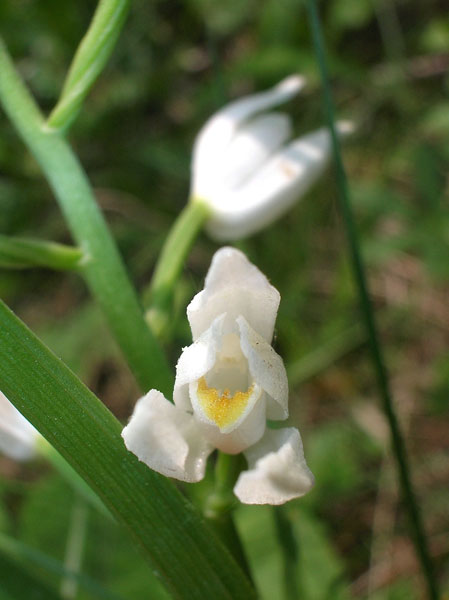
(398, 445)
(158, 296)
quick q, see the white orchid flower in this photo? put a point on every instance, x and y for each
(18, 438)
(228, 383)
(244, 170)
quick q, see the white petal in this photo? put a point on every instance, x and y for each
(237, 287)
(17, 436)
(246, 434)
(277, 470)
(167, 439)
(212, 140)
(196, 360)
(252, 145)
(267, 369)
(273, 189)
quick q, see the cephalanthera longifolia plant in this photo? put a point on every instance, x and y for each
(246, 172)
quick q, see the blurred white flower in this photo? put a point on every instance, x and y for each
(228, 382)
(18, 437)
(244, 170)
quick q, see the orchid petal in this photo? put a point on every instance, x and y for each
(274, 188)
(17, 436)
(252, 145)
(277, 469)
(167, 439)
(248, 432)
(196, 360)
(236, 287)
(267, 369)
(218, 131)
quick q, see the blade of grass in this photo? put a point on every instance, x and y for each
(398, 445)
(185, 554)
(102, 268)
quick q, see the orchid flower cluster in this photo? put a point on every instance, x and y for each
(228, 382)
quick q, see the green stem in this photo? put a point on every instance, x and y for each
(103, 268)
(89, 60)
(158, 296)
(219, 504)
(20, 253)
(398, 445)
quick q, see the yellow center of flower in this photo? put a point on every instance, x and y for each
(223, 409)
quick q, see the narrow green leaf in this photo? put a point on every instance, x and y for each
(89, 60)
(398, 445)
(185, 554)
(20, 253)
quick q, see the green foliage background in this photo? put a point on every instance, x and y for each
(174, 65)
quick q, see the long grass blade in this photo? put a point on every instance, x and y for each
(398, 445)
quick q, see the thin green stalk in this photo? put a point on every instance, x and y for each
(417, 528)
(220, 503)
(21, 253)
(159, 294)
(103, 267)
(290, 552)
(89, 60)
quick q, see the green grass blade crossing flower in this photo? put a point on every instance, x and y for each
(89, 60)
(185, 554)
(103, 268)
(398, 446)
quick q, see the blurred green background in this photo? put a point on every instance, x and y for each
(175, 64)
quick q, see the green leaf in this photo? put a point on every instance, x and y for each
(184, 553)
(19, 253)
(90, 59)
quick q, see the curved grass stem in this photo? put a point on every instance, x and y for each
(398, 445)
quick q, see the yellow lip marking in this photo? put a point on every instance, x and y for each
(223, 409)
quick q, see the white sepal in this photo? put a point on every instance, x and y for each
(277, 469)
(167, 439)
(236, 287)
(273, 188)
(214, 138)
(18, 438)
